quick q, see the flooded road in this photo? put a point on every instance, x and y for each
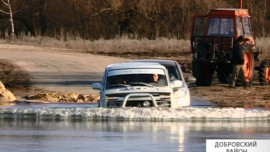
(58, 69)
(84, 127)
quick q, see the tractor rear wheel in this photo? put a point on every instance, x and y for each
(264, 72)
(223, 72)
(203, 72)
(248, 67)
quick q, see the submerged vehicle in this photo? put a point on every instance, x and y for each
(141, 84)
(212, 39)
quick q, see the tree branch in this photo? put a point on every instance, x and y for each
(5, 2)
(4, 12)
(101, 11)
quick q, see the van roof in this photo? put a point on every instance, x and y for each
(127, 65)
(160, 61)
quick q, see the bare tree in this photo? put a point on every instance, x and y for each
(9, 12)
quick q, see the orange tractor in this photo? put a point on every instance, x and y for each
(212, 39)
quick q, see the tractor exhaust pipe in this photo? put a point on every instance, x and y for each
(241, 4)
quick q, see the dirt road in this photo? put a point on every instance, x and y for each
(60, 70)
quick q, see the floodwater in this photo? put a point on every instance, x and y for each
(84, 127)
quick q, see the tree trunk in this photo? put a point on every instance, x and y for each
(11, 21)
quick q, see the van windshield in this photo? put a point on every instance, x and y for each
(126, 80)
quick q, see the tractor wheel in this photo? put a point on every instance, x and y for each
(203, 71)
(223, 72)
(223, 77)
(248, 67)
(264, 72)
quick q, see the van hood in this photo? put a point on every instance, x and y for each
(139, 89)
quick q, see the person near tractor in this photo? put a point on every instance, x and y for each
(237, 60)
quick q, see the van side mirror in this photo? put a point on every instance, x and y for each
(176, 83)
(96, 86)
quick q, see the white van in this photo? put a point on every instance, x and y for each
(141, 84)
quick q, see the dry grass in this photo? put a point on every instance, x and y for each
(122, 44)
(263, 44)
(13, 77)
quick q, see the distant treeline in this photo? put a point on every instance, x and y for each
(108, 19)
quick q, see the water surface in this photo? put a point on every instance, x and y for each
(84, 127)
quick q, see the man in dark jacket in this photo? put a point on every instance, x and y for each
(237, 60)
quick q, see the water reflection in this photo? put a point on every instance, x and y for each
(80, 135)
(181, 137)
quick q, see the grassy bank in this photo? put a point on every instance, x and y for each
(264, 45)
(122, 45)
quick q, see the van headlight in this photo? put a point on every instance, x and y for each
(181, 92)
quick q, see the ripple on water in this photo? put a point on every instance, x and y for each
(87, 112)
